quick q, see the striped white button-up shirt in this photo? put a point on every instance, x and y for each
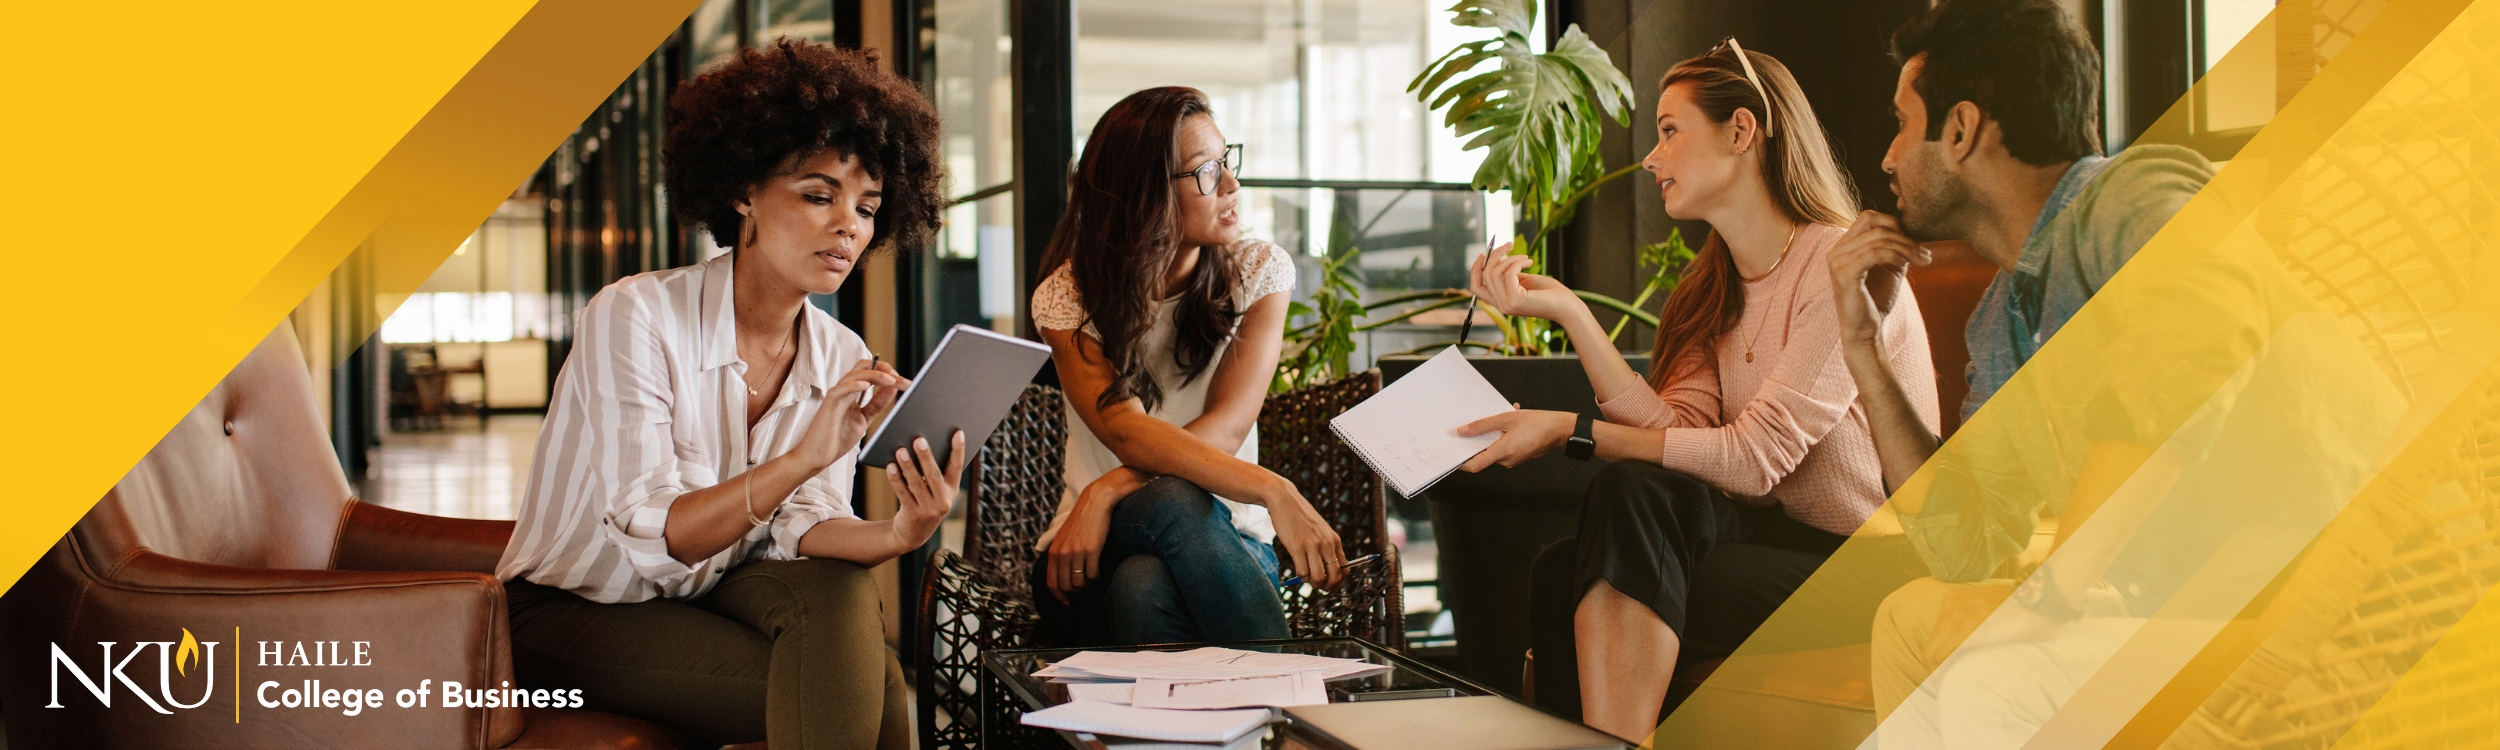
(651, 404)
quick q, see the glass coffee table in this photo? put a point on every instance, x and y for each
(1011, 689)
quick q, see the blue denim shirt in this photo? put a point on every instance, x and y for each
(2027, 304)
(2100, 213)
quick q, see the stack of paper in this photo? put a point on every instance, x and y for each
(1248, 741)
(1170, 695)
(1207, 663)
(1148, 723)
(1305, 688)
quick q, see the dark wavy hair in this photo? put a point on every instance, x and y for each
(772, 107)
(1119, 238)
(2021, 61)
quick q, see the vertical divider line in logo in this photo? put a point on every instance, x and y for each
(238, 674)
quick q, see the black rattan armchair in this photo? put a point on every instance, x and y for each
(980, 599)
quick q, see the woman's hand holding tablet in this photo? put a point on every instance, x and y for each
(971, 381)
(922, 493)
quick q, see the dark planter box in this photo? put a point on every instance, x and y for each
(1490, 525)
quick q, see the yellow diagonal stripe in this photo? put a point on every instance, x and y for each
(2448, 699)
(185, 174)
(2380, 585)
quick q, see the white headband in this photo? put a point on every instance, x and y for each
(1757, 84)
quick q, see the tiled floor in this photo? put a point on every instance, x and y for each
(460, 471)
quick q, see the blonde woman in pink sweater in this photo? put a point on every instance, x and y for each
(1741, 461)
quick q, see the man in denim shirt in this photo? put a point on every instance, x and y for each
(1998, 147)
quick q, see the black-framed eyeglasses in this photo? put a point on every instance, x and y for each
(1229, 161)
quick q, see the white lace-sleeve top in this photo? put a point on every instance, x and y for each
(1261, 269)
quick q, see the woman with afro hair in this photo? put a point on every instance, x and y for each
(686, 552)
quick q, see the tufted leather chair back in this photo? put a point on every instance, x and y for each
(247, 478)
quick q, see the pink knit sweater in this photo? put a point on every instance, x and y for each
(1786, 427)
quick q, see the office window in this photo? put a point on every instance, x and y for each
(973, 278)
(811, 20)
(2241, 95)
(975, 91)
(1317, 90)
(976, 265)
(492, 288)
(715, 28)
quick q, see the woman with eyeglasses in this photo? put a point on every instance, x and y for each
(1165, 325)
(1741, 460)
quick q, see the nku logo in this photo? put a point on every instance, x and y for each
(172, 659)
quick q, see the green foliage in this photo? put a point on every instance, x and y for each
(1538, 118)
(1665, 261)
(1319, 338)
(1319, 335)
(1536, 114)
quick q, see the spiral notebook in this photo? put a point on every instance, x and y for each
(1409, 430)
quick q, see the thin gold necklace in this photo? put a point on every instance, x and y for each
(1775, 267)
(794, 338)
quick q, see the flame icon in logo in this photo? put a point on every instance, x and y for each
(186, 654)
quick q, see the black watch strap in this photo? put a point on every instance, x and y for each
(1583, 443)
(2041, 593)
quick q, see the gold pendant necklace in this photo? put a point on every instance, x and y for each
(794, 338)
(1766, 273)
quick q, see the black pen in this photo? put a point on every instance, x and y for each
(1468, 326)
(1349, 565)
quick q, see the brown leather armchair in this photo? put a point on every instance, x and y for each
(239, 527)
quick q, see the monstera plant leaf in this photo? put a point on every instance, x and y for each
(1539, 118)
(1536, 114)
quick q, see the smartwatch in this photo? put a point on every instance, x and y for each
(1583, 443)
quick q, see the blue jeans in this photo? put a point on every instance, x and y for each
(1179, 573)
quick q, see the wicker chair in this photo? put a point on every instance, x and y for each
(2399, 573)
(981, 600)
(1296, 443)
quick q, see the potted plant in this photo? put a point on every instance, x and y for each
(1537, 116)
(1489, 526)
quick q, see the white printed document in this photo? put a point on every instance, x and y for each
(1102, 692)
(1409, 430)
(1148, 723)
(1304, 688)
(1205, 663)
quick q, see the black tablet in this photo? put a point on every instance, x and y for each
(970, 383)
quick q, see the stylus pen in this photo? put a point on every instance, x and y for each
(872, 390)
(1349, 564)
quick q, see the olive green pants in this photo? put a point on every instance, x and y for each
(791, 651)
